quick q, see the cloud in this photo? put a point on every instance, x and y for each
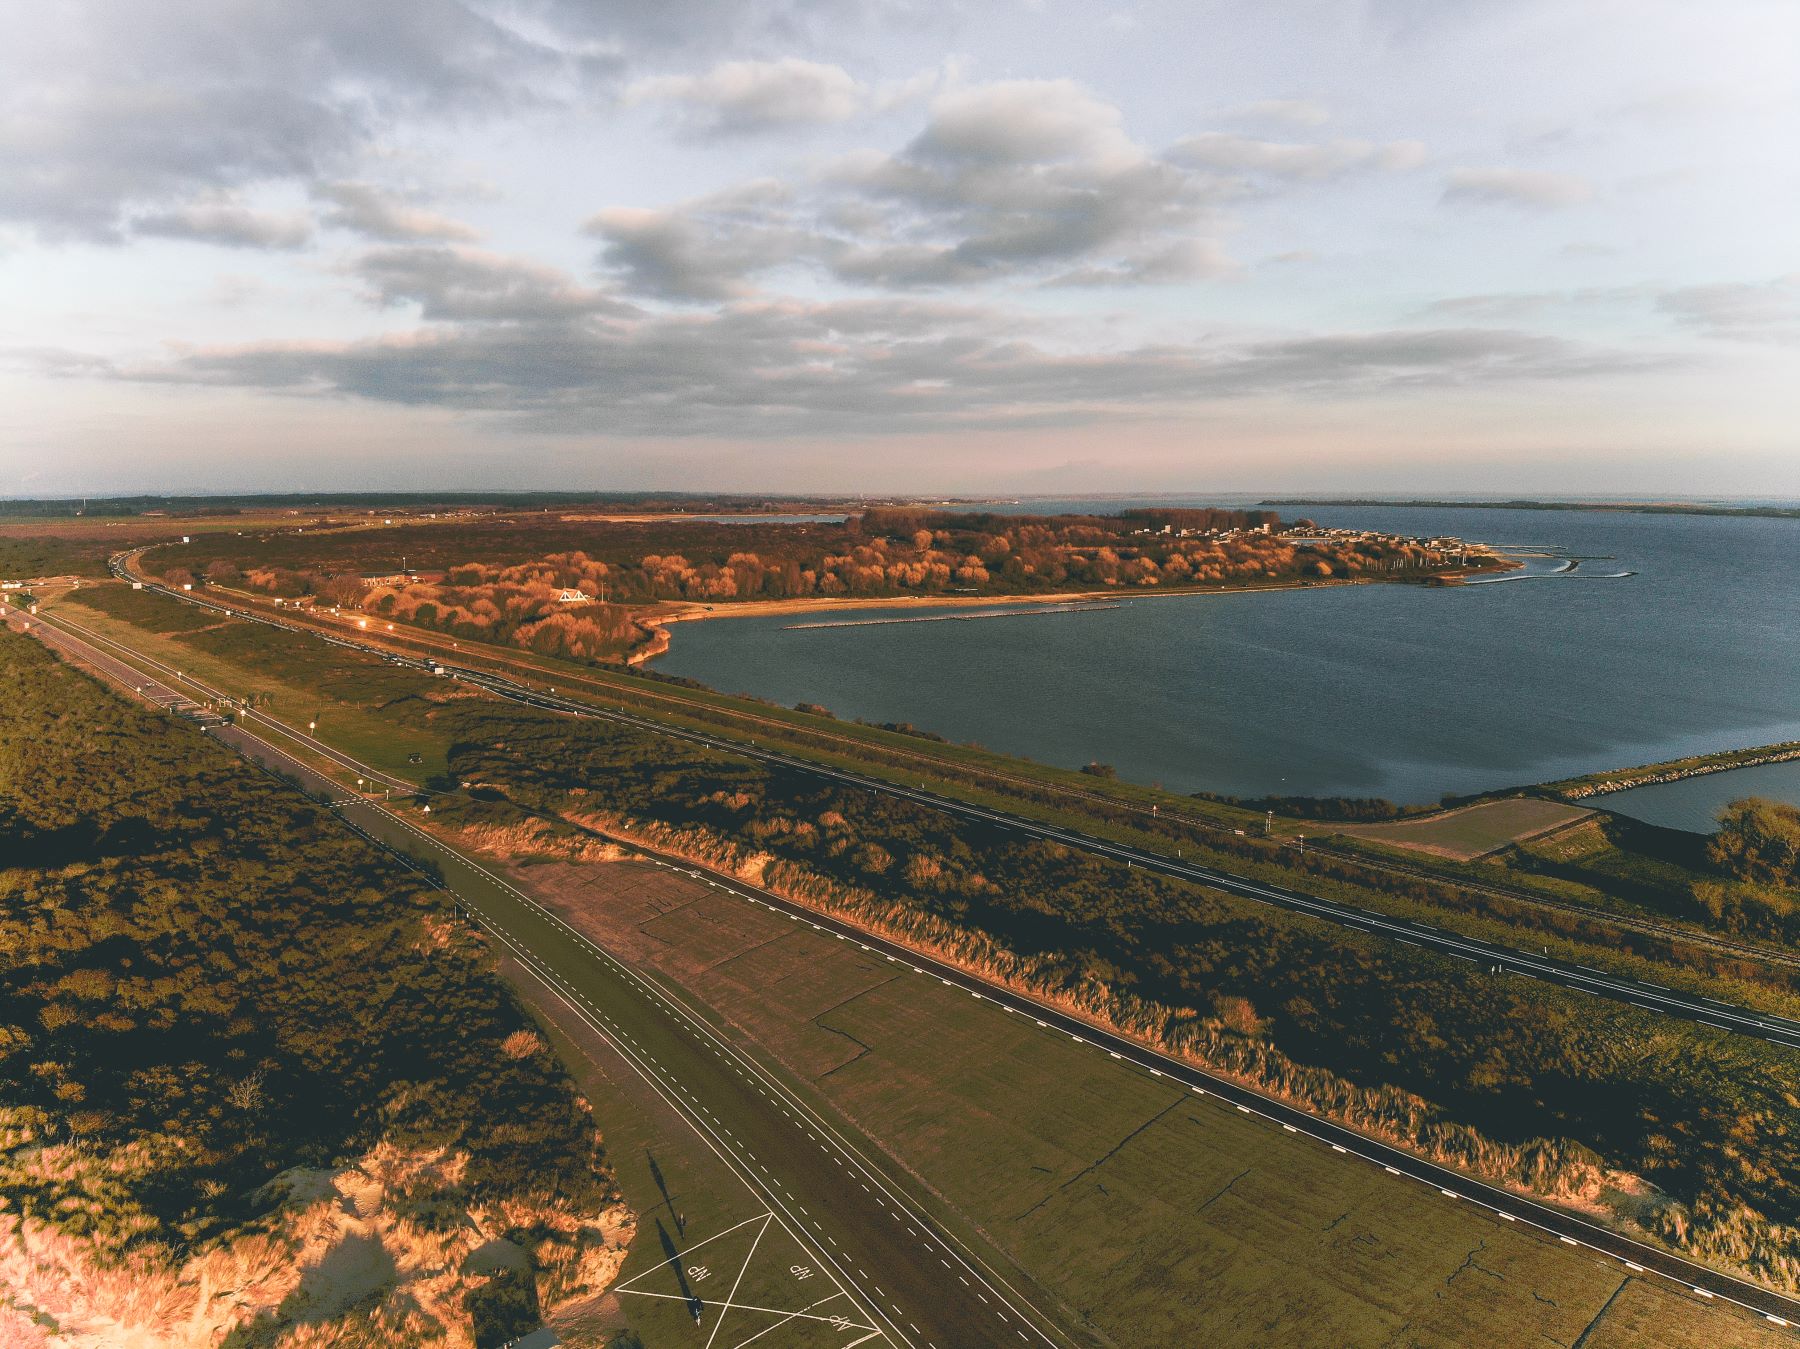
(225, 222)
(863, 368)
(1243, 154)
(454, 284)
(1287, 111)
(744, 97)
(1021, 178)
(1032, 181)
(1023, 122)
(1738, 311)
(117, 108)
(703, 250)
(1183, 260)
(1516, 187)
(365, 209)
(1512, 305)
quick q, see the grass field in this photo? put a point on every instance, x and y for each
(294, 679)
(1162, 1217)
(1471, 831)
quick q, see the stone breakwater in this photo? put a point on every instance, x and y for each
(1644, 777)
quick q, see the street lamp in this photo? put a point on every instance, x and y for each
(311, 726)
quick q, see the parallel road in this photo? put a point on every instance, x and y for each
(398, 833)
(1498, 959)
(916, 1283)
(123, 566)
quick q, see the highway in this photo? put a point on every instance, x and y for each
(1501, 960)
(915, 1281)
(541, 942)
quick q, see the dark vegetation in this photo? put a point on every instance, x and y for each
(565, 585)
(23, 556)
(1710, 1118)
(503, 1308)
(207, 980)
(1758, 842)
(1347, 808)
(1721, 882)
(191, 506)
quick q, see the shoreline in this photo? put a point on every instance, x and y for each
(1608, 782)
(695, 612)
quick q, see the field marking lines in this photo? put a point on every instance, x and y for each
(736, 1283)
(677, 1007)
(723, 1150)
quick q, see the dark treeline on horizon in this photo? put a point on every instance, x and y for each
(230, 504)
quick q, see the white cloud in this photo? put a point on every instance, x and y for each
(1024, 121)
(225, 222)
(706, 249)
(882, 367)
(742, 97)
(471, 285)
(1517, 187)
(113, 108)
(1287, 111)
(366, 209)
(1740, 311)
(1244, 154)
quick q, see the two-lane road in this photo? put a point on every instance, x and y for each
(917, 1278)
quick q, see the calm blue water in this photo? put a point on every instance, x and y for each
(1395, 691)
(1695, 803)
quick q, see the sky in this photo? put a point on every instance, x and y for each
(932, 246)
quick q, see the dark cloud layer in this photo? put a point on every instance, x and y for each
(545, 355)
(116, 108)
(1033, 180)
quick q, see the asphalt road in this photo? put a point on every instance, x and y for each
(1565, 1227)
(915, 1282)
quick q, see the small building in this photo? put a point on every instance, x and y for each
(573, 597)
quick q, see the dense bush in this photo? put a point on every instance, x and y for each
(1758, 841)
(208, 980)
